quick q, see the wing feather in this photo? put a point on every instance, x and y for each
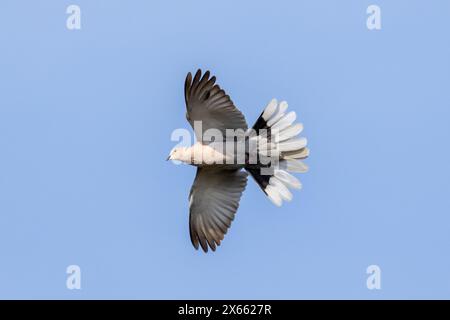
(207, 102)
(214, 200)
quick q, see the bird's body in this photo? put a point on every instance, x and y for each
(202, 155)
(227, 150)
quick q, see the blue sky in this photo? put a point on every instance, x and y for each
(85, 123)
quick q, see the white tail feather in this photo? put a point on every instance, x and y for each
(293, 165)
(274, 119)
(282, 107)
(273, 195)
(285, 122)
(288, 179)
(290, 132)
(270, 109)
(292, 144)
(282, 189)
(297, 154)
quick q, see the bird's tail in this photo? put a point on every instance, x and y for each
(279, 151)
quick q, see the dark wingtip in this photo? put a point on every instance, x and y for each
(188, 77)
(187, 84)
(194, 244)
(205, 249)
(198, 74)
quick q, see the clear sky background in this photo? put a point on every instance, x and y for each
(85, 123)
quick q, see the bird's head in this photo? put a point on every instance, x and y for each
(178, 153)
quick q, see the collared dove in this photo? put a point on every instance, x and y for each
(270, 149)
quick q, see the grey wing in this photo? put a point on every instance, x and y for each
(213, 202)
(207, 102)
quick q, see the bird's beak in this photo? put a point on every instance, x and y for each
(168, 158)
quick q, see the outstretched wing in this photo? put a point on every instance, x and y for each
(213, 202)
(208, 103)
